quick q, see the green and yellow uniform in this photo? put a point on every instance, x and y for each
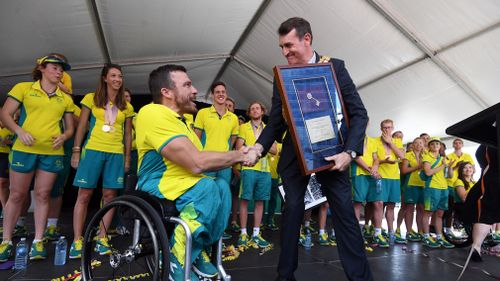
(203, 203)
(391, 188)
(414, 190)
(255, 181)
(40, 116)
(217, 133)
(103, 151)
(436, 189)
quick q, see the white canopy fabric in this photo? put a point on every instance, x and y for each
(425, 64)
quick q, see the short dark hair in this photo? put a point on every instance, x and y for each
(300, 25)
(161, 78)
(215, 84)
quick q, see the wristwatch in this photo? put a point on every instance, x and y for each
(352, 153)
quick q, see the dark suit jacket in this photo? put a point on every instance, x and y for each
(356, 112)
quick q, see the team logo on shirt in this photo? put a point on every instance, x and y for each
(59, 99)
(34, 95)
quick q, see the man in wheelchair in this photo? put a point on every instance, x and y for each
(171, 166)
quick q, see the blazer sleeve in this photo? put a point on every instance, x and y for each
(356, 112)
(276, 126)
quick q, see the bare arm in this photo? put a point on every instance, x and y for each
(198, 132)
(460, 190)
(431, 171)
(80, 131)
(406, 169)
(58, 141)
(182, 152)
(362, 164)
(8, 110)
(128, 142)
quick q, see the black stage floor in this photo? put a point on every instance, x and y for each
(411, 262)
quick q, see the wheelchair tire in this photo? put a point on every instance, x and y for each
(461, 243)
(127, 262)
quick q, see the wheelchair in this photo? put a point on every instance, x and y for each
(141, 251)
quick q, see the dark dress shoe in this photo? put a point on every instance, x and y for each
(476, 257)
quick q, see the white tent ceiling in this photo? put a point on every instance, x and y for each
(425, 64)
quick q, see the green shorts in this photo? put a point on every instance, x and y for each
(63, 175)
(435, 199)
(360, 186)
(93, 163)
(391, 191)
(414, 194)
(224, 174)
(23, 162)
(255, 185)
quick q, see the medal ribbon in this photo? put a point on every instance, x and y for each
(110, 113)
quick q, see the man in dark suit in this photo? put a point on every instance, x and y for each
(295, 39)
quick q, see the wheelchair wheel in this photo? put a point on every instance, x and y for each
(140, 252)
(464, 237)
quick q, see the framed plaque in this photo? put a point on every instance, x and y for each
(314, 110)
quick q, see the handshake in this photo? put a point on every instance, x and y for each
(251, 154)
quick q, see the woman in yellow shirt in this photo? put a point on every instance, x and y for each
(37, 151)
(106, 151)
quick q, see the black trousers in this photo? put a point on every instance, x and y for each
(337, 188)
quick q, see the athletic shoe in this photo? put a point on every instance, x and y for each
(368, 232)
(445, 243)
(1, 229)
(38, 251)
(413, 236)
(302, 240)
(324, 240)
(398, 239)
(75, 252)
(226, 236)
(380, 241)
(311, 229)
(272, 225)
(5, 251)
(333, 240)
(430, 242)
(496, 237)
(235, 226)
(20, 231)
(203, 267)
(258, 242)
(367, 246)
(102, 246)
(177, 271)
(243, 241)
(385, 234)
(51, 233)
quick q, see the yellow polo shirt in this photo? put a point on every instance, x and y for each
(273, 161)
(465, 157)
(369, 147)
(414, 179)
(217, 130)
(5, 134)
(157, 125)
(99, 140)
(247, 135)
(438, 180)
(386, 170)
(459, 183)
(40, 116)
